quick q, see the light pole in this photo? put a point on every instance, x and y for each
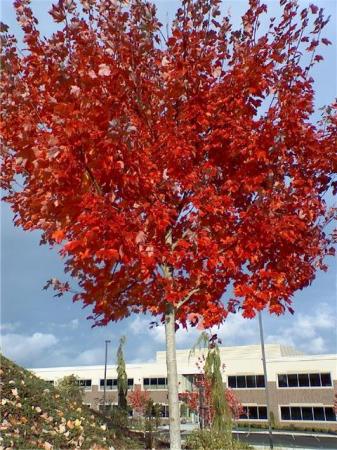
(105, 367)
(265, 381)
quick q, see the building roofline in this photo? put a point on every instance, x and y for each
(135, 366)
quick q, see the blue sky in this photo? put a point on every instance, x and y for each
(39, 330)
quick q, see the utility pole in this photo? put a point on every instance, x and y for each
(105, 367)
(265, 381)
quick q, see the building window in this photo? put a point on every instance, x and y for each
(246, 381)
(111, 384)
(50, 382)
(155, 383)
(164, 411)
(86, 384)
(308, 413)
(304, 380)
(254, 413)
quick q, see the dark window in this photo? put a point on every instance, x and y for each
(164, 411)
(252, 412)
(285, 413)
(262, 412)
(130, 382)
(303, 379)
(111, 383)
(326, 379)
(155, 383)
(162, 381)
(315, 379)
(241, 382)
(330, 414)
(86, 384)
(295, 413)
(292, 380)
(260, 381)
(282, 381)
(244, 414)
(319, 413)
(232, 382)
(307, 413)
(248, 381)
(50, 382)
(251, 381)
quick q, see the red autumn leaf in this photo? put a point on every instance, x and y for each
(58, 235)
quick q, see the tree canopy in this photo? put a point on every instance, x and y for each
(171, 168)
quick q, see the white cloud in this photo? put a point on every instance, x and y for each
(317, 345)
(138, 325)
(90, 357)
(25, 349)
(304, 332)
(233, 330)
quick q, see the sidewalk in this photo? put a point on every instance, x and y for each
(188, 427)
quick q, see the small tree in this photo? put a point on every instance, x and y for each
(216, 406)
(138, 399)
(122, 378)
(218, 402)
(70, 388)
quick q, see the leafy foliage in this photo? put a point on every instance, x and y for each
(213, 440)
(139, 399)
(36, 415)
(70, 389)
(169, 169)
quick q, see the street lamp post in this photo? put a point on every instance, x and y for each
(105, 367)
(265, 381)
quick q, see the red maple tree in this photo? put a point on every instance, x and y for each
(200, 399)
(192, 399)
(138, 399)
(171, 168)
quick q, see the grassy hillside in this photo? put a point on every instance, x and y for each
(34, 415)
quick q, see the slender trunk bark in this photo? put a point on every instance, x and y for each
(172, 378)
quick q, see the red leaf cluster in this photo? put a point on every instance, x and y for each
(170, 169)
(138, 399)
(204, 406)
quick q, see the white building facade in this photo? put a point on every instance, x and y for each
(301, 387)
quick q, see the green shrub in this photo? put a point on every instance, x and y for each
(213, 440)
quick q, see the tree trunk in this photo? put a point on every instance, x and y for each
(172, 378)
